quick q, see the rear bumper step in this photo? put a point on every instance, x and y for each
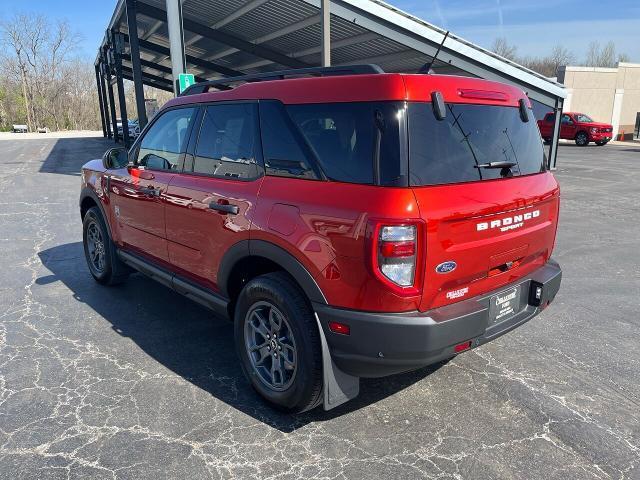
(381, 344)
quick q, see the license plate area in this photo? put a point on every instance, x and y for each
(504, 305)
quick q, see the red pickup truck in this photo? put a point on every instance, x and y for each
(578, 127)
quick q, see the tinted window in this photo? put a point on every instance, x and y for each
(163, 143)
(449, 151)
(581, 117)
(566, 119)
(549, 117)
(284, 154)
(345, 137)
(227, 141)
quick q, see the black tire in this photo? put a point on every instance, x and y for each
(300, 385)
(582, 139)
(546, 141)
(111, 270)
(600, 144)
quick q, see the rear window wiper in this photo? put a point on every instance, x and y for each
(496, 165)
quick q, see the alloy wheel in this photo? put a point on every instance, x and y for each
(270, 345)
(95, 247)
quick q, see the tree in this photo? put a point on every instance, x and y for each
(605, 56)
(502, 47)
(38, 55)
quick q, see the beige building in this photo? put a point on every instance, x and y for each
(609, 95)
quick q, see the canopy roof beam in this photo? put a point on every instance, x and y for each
(225, 38)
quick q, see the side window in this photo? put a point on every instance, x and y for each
(283, 154)
(566, 119)
(341, 135)
(549, 118)
(163, 143)
(228, 142)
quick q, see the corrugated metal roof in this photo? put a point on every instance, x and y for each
(362, 31)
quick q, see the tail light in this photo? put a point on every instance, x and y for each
(396, 256)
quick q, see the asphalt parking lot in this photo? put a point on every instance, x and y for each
(138, 382)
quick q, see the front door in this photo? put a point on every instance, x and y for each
(211, 204)
(138, 192)
(567, 127)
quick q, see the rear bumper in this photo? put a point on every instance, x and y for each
(383, 344)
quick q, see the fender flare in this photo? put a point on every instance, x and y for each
(89, 192)
(270, 251)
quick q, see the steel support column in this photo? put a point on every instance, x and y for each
(325, 7)
(132, 24)
(102, 67)
(112, 103)
(553, 149)
(118, 45)
(100, 102)
(176, 41)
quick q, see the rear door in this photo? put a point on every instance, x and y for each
(486, 227)
(138, 192)
(210, 205)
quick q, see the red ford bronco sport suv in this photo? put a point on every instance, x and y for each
(578, 127)
(352, 223)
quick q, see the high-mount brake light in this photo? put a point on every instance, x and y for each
(483, 94)
(397, 253)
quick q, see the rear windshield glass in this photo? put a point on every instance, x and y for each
(451, 150)
(353, 142)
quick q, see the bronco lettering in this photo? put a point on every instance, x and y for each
(508, 223)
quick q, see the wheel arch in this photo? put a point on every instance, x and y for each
(88, 199)
(263, 257)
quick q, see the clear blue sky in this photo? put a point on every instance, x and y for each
(533, 25)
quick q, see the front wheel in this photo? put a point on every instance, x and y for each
(99, 251)
(582, 139)
(278, 342)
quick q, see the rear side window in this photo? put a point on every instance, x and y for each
(227, 143)
(549, 117)
(285, 154)
(163, 143)
(353, 142)
(450, 150)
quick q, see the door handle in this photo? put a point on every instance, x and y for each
(226, 208)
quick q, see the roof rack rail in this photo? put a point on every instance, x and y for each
(225, 83)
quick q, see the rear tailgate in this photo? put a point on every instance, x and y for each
(495, 231)
(491, 208)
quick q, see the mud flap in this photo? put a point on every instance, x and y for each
(338, 387)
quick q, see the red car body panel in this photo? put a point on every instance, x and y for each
(327, 226)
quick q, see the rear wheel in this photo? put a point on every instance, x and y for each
(582, 139)
(99, 250)
(278, 343)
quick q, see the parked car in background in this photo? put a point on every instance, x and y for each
(578, 127)
(19, 128)
(350, 225)
(134, 128)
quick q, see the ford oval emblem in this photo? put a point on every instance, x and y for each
(446, 267)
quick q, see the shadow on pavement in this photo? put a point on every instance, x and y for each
(69, 154)
(190, 341)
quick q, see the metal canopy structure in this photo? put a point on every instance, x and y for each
(214, 39)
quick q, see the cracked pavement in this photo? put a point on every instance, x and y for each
(137, 382)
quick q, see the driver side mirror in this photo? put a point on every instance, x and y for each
(114, 158)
